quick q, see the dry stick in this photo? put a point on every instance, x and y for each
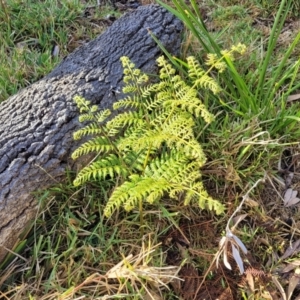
(245, 197)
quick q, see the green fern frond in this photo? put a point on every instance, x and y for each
(162, 86)
(194, 107)
(120, 195)
(179, 126)
(86, 117)
(190, 195)
(144, 187)
(132, 134)
(91, 129)
(185, 92)
(158, 117)
(102, 115)
(111, 165)
(151, 143)
(165, 95)
(166, 71)
(176, 168)
(131, 192)
(128, 102)
(186, 174)
(83, 104)
(151, 100)
(148, 91)
(205, 114)
(131, 139)
(152, 138)
(93, 115)
(167, 165)
(200, 78)
(195, 71)
(194, 150)
(213, 205)
(177, 132)
(97, 144)
(129, 118)
(207, 202)
(152, 188)
(197, 193)
(214, 61)
(154, 104)
(129, 88)
(131, 74)
(208, 83)
(136, 160)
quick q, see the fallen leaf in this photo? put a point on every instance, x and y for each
(290, 197)
(237, 258)
(293, 201)
(236, 220)
(293, 97)
(291, 250)
(226, 262)
(250, 281)
(240, 244)
(293, 282)
(251, 203)
(280, 288)
(290, 266)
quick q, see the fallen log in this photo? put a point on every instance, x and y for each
(36, 125)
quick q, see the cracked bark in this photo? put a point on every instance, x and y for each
(36, 125)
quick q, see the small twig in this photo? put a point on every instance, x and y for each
(245, 197)
(204, 277)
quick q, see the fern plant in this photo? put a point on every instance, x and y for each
(150, 146)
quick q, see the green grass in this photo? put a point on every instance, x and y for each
(71, 246)
(254, 102)
(30, 29)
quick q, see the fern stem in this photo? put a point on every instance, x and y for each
(117, 151)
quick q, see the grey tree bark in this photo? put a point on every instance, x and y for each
(36, 125)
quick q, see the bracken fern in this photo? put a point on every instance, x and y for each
(150, 146)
